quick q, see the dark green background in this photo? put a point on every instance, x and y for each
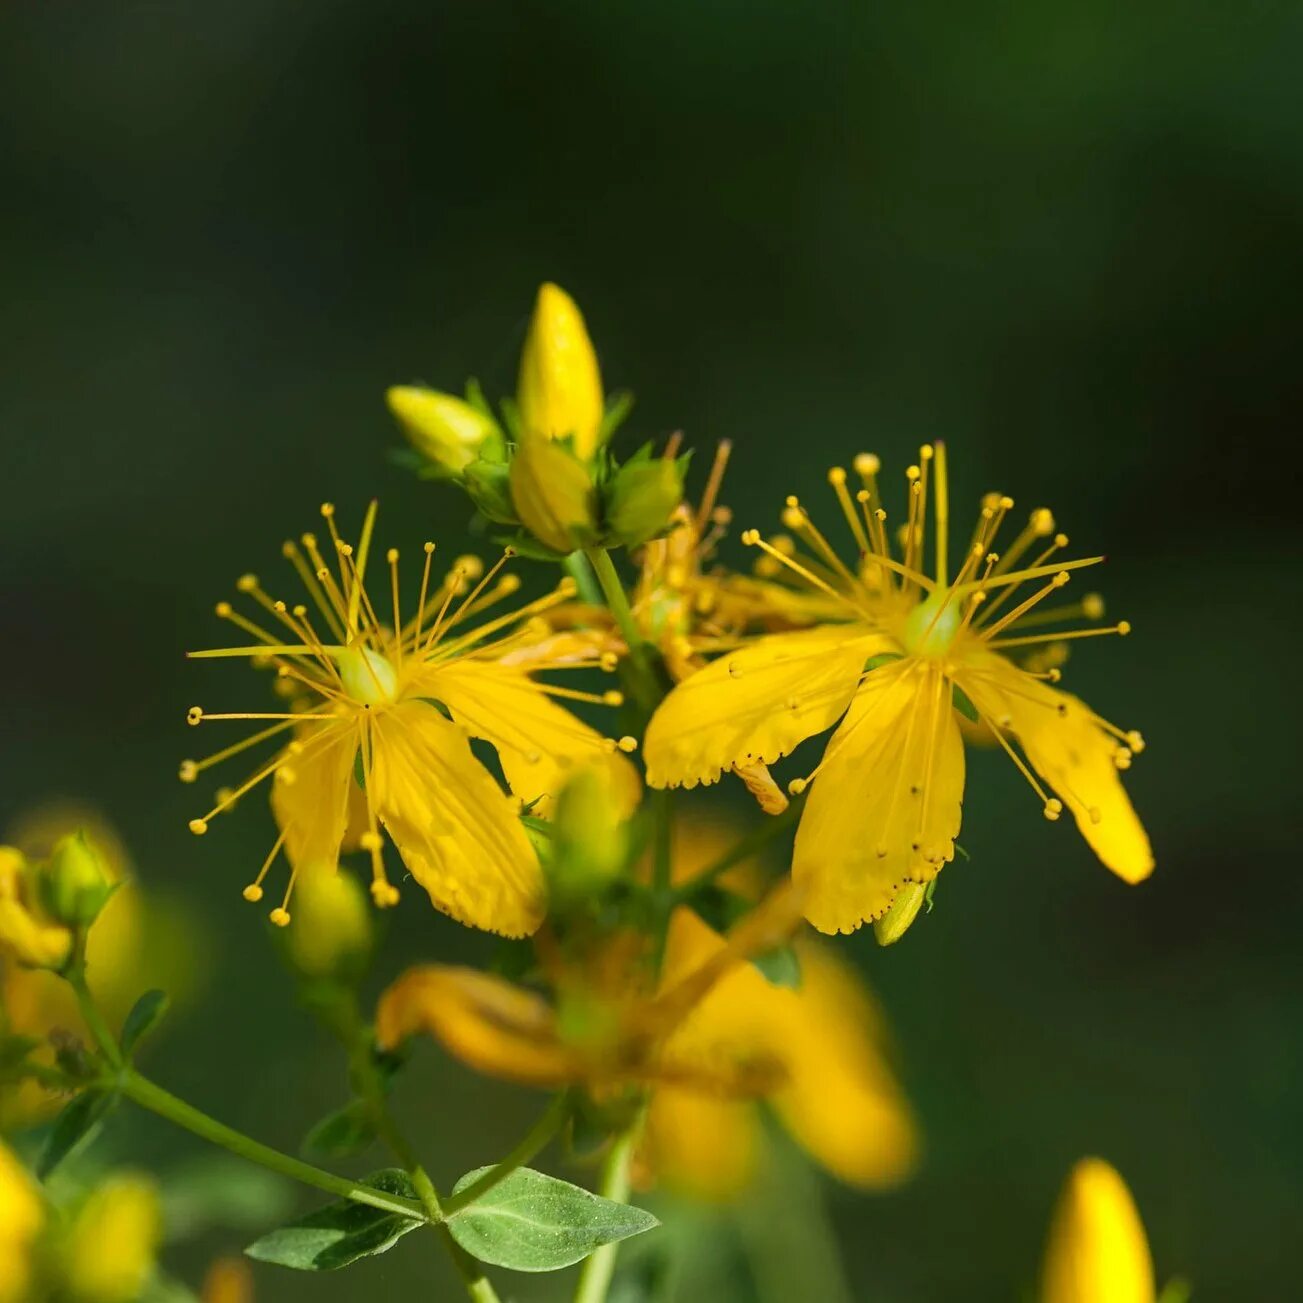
(1064, 237)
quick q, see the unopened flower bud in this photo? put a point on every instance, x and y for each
(902, 912)
(559, 390)
(75, 884)
(27, 933)
(642, 497)
(330, 933)
(447, 431)
(553, 494)
(113, 1241)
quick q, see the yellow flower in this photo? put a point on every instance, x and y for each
(559, 391)
(607, 1028)
(112, 1243)
(381, 715)
(446, 430)
(21, 1219)
(27, 933)
(229, 1280)
(911, 648)
(1097, 1251)
(838, 1097)
(136, 942)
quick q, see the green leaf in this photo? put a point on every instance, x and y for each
(878, 661)
(533, 1222)
(781, 966)
(339, 1233)
(342, 1132)
(72, 1127)
(963, 705)
(144, 1014)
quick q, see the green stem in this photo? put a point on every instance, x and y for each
(599, 1266)
(153, 1097)
(530, 1144)
(646, 689)
(747, 847)
(94, 1020)
(577, 567)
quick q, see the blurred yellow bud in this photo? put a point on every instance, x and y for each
(229, 1280)
(553, 494)
(446, 430)
(21, 1216)
(589, 841)
(1097, 1251)
(902, 912)
(331, 933)
(76, 881)
(559, 391)
(111, 1245)
(27, 933)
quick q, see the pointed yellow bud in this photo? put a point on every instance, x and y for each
(27, 933)
(444, 429)
(330, 933)
(1097, 1251)
(111, 1246)
(553, 494)
(559, 391)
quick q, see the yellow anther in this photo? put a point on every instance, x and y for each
(252, 893)
(613, 697)
(370, 841)
(912, 473)
(925, 453)
(344, 549)
(469, 565)
(1061, 578)
(280, 916)
(1122, 758)
(608, 661)
(1042, 522)
(567, 587)
(508, 584)
(286, 776)
(222, 610)
(792, 501)
(749, 537)
(198, 827)
(627, 744)
(1060, 540)
(299, 611)
(867, 463)
(194, 714)
(427, 547)
(1124, 628)
(1092, 606)
(188, 771)
(1006, 503)
(1135, 741)
(797, 786)
(1053, 808)
(792, 517)
(247, 583)
(327, 509)
(836, 475)
(392, 555)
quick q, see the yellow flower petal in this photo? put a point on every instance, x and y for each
(25, 933)
(700, 1146)
(20, 1221)
(489, 1024)
(559, 390)
(1097, 1251)
(537, 741)
(1074, 756)
(756, 704)
(457, 831)
(313, 804)
(842, 1101)
(885, 808)
(113, 1242)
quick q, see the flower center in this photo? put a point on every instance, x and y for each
(930, 628)
(369, 677)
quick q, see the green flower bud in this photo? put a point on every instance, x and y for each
(553, 494)
(447, 431)
(589, 841)
(488, 485)
(331, 933)
(75, 884)
(903, 911)
(642, 497)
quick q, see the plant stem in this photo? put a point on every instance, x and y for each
(94, 1020)
(599, 1266)
(153, 1097)
(577, 567)
(646, 689)
(548, 1124)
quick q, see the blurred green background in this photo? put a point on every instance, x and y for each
(1067, 238)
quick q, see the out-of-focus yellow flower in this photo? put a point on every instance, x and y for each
(111, 1245)
(1097, 1250)
(333, 930)
(21, 1218)
(911, 650)
(448, 431)
(136, 943)
(229, 1280)
(381, 716)
(559, 391)
(606, 1029)
(27, 933)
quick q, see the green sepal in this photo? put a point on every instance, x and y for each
(881, 659)
(488, 485)
(340, 1233)
(75, 1126)
(780, 967)
(533, 1222)
(618, 407)
(144, 1014)
(963, 705)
